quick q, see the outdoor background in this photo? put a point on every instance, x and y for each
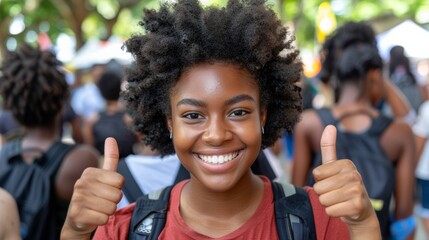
(67, 25)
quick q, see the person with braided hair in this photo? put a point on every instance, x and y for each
(387, 162)
(215, 85)
(34, 89)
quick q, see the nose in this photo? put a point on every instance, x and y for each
(217, 132)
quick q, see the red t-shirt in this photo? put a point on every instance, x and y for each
(260, 226)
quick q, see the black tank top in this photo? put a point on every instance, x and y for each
(113, 125)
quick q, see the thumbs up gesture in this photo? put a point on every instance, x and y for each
(95, 196)
(341, 190)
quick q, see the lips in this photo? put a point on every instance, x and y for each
(218, 159)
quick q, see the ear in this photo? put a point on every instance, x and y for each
(263, 116)
(169, 123)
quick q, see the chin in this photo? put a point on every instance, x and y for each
(218, 184)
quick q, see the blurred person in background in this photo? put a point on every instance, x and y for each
(113, 121)
(86, 98)
(360, 32)
(34, 89)
(401, 75)
(421, 131)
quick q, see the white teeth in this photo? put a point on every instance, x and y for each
(218, 159)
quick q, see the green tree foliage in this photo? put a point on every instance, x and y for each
(84, 19)
(81, 19)
(301, 14)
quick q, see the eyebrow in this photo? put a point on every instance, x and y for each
(240, 98)
(191, 101)
(198, 103)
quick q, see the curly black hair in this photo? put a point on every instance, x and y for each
(348, 34)
(33, 86)
(244, 32)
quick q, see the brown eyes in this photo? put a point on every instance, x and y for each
(238, 113)
(195, 116)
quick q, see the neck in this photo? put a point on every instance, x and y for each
(237, 204)
(113, 106)
(40, 137)
(352, 94)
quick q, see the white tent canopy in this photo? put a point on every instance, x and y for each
(100, 52)
(407, 34)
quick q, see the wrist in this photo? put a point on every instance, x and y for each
(68, 233)
(368, 229)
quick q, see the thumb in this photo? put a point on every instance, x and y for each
(111, 154)
(328, 144)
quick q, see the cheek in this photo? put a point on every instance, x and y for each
(249, 133)
(184, 135)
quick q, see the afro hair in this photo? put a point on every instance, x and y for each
(244, 32)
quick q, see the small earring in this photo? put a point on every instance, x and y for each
(262, 129)
(171, 135)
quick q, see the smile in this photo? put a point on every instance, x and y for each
(218, 159)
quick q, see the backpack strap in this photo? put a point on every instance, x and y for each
(380, 124)
(293, 212)
(131, 189)
(326, 116)
(54, 157)
(149, 215)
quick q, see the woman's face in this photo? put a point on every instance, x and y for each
(216, 121)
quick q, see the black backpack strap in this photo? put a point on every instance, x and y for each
(149, 215)
(131, 189)
(380, 124)
(293, 212)
(54, 157)
(326, 116)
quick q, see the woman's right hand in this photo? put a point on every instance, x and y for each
(95, 196)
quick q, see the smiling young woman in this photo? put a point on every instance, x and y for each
(214, 86)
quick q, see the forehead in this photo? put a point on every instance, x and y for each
(218, 78)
